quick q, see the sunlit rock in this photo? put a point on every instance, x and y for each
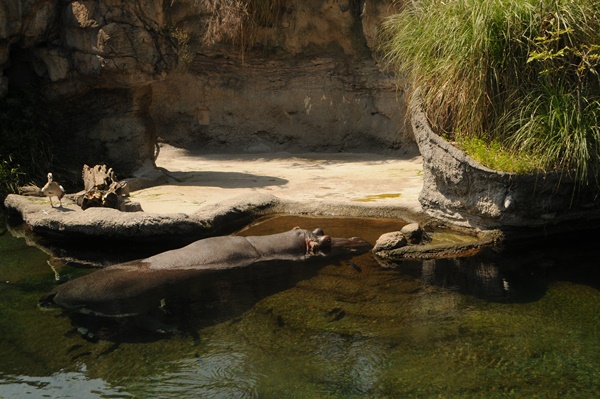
(389, 241)
(413, 233)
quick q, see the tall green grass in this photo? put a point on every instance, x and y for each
(26, 127)
(10, 177)
(523, 73)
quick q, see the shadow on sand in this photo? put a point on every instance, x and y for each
(224, 179)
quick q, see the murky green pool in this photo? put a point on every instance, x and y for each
(522, 324)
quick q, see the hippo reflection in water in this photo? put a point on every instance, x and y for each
(139, 287)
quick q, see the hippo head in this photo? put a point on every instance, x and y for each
(319, 243)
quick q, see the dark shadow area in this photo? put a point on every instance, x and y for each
(224, 179)
(20, 72)
(319, 158)
(515, 274)
(97, 252)
(63, 208)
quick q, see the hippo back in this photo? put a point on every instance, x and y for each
(210, 253)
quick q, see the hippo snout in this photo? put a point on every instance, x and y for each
(353, 244)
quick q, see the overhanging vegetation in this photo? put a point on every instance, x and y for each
(522, 73)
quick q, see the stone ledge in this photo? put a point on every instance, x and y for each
(483, 239)
(72, 223)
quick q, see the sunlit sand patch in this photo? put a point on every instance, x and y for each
(377, 197)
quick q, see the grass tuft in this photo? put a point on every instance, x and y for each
(239, 22)
(497, 156)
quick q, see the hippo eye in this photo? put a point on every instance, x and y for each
(318, 231)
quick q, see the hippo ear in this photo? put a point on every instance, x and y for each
(318, 231)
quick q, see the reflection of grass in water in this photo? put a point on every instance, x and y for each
(520, 350)
(395, 339)
(30, 338)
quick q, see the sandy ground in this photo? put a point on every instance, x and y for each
(197, 179)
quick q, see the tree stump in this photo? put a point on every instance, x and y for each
(103, 190)
(98, 177)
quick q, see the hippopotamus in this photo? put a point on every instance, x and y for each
(138, 287)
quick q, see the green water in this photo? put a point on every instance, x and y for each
(523, 324)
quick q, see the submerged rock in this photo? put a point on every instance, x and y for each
(390, 247)
(386, 258)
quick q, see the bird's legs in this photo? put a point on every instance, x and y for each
(59, 203)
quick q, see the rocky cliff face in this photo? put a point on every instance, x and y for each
(126, 73)
(96, 61)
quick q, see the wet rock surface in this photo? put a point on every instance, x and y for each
(462, 244)
(416, 242)
(389, 241)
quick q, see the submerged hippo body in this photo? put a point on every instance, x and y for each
(235, 251)
(137, 287)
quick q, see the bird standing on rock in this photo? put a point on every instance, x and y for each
(53, 189)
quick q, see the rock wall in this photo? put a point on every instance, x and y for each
(312, 105)
(313, 85)
(125, 73)
(95, 61)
